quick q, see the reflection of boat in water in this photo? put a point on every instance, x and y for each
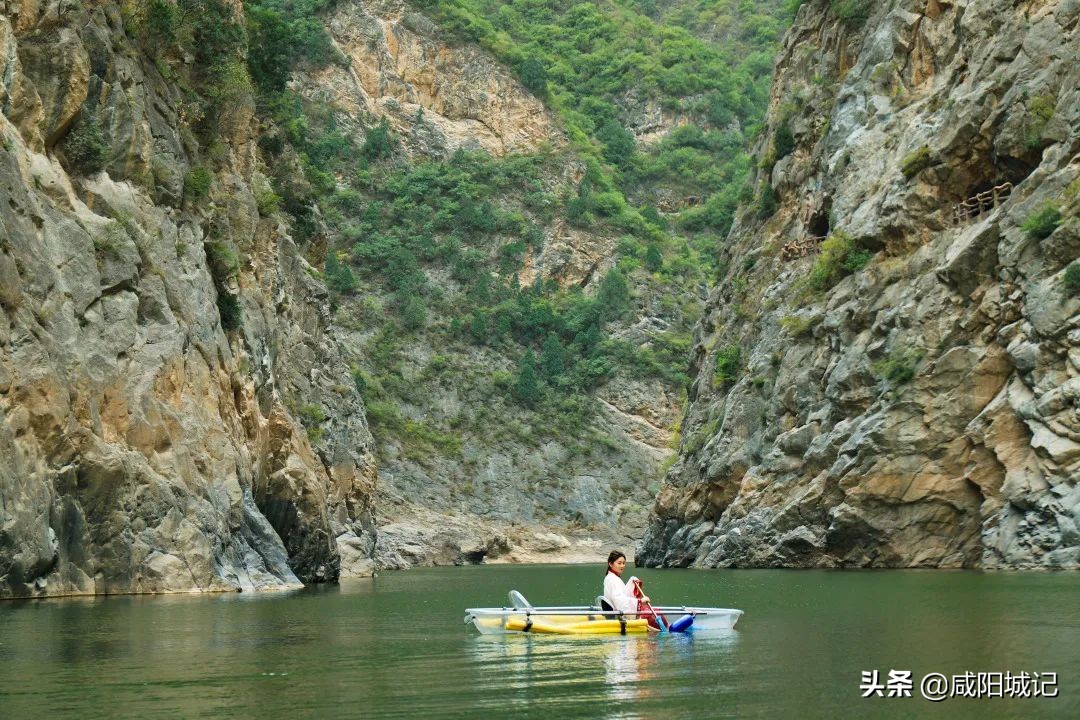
(591, 619)
(543, 673)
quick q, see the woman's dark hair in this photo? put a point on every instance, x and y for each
(612, 557)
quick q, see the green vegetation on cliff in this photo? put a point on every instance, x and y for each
(613, 66)
(839, 257)
(1072, 279)
(659, 101)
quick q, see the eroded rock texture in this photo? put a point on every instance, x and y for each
(439, 97)
(925, 410)
(144, 448)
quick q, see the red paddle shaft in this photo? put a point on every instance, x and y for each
(656, 616)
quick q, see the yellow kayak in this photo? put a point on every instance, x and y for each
(593, 627)
(499, 624)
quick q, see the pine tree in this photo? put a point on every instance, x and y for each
(481, 290)
(590, 340)
(653, 259)
(653, 216)
(378, 142)
(534, 76)
(551, 358)
(339, 277)
(618, 142)
(413, 312)
(478, 327)
(527, 388)
(614, 294)
(502, 326)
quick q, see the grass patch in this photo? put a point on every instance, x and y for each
(312, 417)
(852, 13)
(702, 436)
(1040, 110)
(1042, 223)
(223, 261)
(197, 184)
(839, 258)
(267, 201)
(784, 140)
(915, 162)
(1072, 279)
(728, 364)
(899, 366)
(796, 325)
(86, 147)
(418, 438)
(111, 240)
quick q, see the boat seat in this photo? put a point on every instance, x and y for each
(603, 604)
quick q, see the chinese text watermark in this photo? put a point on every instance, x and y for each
(936, 687)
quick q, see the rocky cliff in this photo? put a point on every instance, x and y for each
(158, 333)
(439, 97)
(889, 373)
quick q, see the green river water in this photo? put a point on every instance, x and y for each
(395, 647)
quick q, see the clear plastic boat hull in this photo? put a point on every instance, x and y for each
(494, 621)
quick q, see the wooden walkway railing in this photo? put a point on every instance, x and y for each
(984, 202)
(801, 247)
(970, 209)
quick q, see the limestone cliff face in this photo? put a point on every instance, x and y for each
(437, 97)
(440, 97)
(144, 448)
(924, 409)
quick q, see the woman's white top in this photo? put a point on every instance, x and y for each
(619, 594)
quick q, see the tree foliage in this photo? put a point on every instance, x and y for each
(551, 358)
(283, 34)
(534, 75)
(378, 142)
(527, 385)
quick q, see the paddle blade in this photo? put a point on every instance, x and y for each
(682, 624)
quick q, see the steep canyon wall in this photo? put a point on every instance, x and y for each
(880, 380)
(148, 443)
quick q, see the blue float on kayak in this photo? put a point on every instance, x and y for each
(683, 624)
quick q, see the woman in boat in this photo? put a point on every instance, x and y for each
(619, 595)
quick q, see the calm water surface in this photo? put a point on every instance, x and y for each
(395, 646)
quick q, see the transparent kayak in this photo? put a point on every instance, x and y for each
(590, 619)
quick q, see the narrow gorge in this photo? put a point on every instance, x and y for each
(298, 291)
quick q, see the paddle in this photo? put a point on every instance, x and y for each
(681, 625)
